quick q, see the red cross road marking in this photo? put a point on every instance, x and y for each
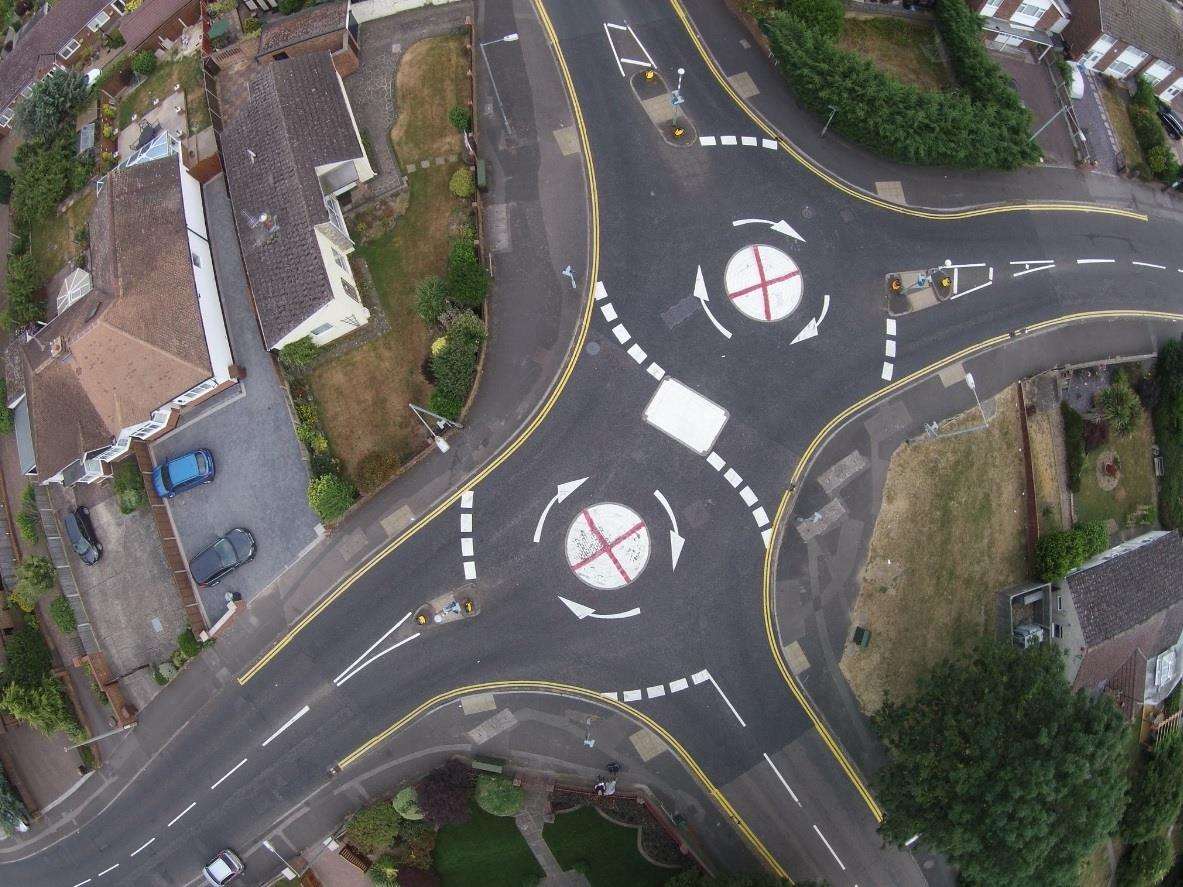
(606, 546)
(764, 284)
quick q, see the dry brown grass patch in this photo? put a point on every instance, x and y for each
(432, 79)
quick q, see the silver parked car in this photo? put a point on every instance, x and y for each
(225, 867)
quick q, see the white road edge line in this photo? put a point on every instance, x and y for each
(104, 871)
(376, 657)
(371, 647)
(828, 847)
(182, 813)
(291, 720)
(1148, 265)
(725, 699)
(782, 779)
(229, 773)
(1033, 270)
(612, 45)
(1095, 261)
(143, 846)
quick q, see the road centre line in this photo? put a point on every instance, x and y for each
(80, 883)
(228, 774)
(746, 141)
(389, 632)
(1095, 261)
(466, 541)
(1033, 262)
(654, 692)
(290, 721)
(782, 779)
(1033, 270)
(376, 657)
(1148, 265)
(828, 847)
(143, 846)
(105, 871)
(182, 813)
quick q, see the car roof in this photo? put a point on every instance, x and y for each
(183, 468)
(206, 564)
(220, 869)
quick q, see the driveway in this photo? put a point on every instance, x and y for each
(262, 479)
(1035, 89)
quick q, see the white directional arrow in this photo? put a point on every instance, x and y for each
(562, 492)
(676, 541)
(810, 329)
(700, 293)
(781, 227)
(582, 611)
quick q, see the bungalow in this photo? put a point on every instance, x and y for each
(52, 39)
(1128, 38)
(292, 154)
(138, 335)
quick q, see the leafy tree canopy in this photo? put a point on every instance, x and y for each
(55, 100)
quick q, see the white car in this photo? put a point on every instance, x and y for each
(224, 869)
(1075, 81)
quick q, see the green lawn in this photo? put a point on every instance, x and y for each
(487, 851)
(1136, 487)
(185, 71)
(908, 50)
(606, 853)
(52, 240)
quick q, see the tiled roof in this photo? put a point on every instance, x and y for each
(1153, 26)
(1130, 589)
(139, 24)
(304, 25)
(270, 151)
(43, 36)
(136, 340)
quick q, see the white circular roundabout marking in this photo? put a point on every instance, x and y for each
(607, 546)
(763, 283)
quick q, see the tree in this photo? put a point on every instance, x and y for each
(824, 17)
(1157, 796)
(41, 706)
(52, 105)
(462, 183)
(13, 813)
(144, 62)
(692, 877)
(29, 659)
(330, 496)
(460, 117)
(5, 186)
(498, 795)
(1004, 769)
(62, 614)
(406, 804)
(1120, 405)
(1145, 864)
(374, 828)
(445, 792)
(37, 571)
(431, 298)
(298, 354)
(467, 279)
(1060, 552)
(46, 173)
(24, 287)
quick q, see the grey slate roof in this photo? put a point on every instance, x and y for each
(38, 42)
(1153, 26)
(1129, 590)
(304, 25)
(295, 120)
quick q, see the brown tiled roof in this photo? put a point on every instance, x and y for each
(1127, 590)
(139, 24)
(45, 35)
(1153, 26)
(304, 25)
(270, 151)
(136, 340)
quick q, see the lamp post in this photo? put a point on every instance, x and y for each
(286, 868)
(676, 101)
(441, 423)
(508, 38)
(100, 736)
(932, 429)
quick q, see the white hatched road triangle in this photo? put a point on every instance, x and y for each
(562, 492)
(582, 611)
(810, 330)
(700, 293)
(781, 227)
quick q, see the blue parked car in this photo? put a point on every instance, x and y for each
(183, 473)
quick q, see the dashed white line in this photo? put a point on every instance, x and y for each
(1095, 261)
(599, 291)
(655, 371)
(891, 326)
(732, 477)
(782, 779)
(761, 516)
(290, 721)
(608, 311)
(1033, 270)
(889, 348)
(466, 499)
(828, 847)
(707, 141)
(727, 140)
(469, 571)
(678, 685)
(632, 695)
(750, 141)
(1149, 265)
(465, 522)
(637, 353)
(143, 846)
(748, 496)
(715, 461)
(888, 371)
(655, 691)
(466, 541)
(376, 657)
(466, 548)
(389, 632)
(700, 677)
(228, 774)
(104, 871)
(770, 144)
(620, 333)
(176, 818)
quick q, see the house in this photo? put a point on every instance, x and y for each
(1128, 38)
(53, 39)
(158, 24)
(1031, 24)
(330, 27)
(292, 154)
(1119, 620)
(138, 335)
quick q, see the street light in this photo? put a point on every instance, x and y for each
(441, 423)
(969, 380)
(508, 38)
(286, 867)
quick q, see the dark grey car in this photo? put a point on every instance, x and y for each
(80, 532)
(226, 555)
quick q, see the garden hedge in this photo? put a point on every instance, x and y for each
(1059, 553)
(1168, 432)
(1074, 444)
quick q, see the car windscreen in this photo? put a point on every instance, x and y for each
(226, 553)
(201, 462)
(74, 534)
(165, 477)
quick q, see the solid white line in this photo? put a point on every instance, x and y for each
(955, 276)
(375, 657)
(973, 265)
(291, 720)
(635, 62)
(104, 871)
(182, 813)
(1033, 270)
(1148, 265)
(229, 773)
(726, 332)
(782, 779)
(143, 846)
(642, 45)
(665, 503)
(1035, 262)
(1095, 261)
(828, 847)
(466, 499)
(615, 54)
(389, 632)
(614, 26)
(974, 289)
(912, 840)
(80, 883)
(728, 701)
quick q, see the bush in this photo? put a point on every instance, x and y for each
(312, 437)
(415, 843)
(143, 62)
(62, 614)
(1073, 444)
(330, 496)
(5, 186)
(461, 118)
(374, 828)
(1145, 864)
(1059, 553)
(298, 354)
(46, 173)
(406, 803)
(1157, 795)
(1120, 405)
(1096, 434)
(431, 298)
(37, 571)
(823, 17)
(287, 7)
(467, 279)
(158, 676)
(252, 25)
(28, 494)
(42, 706)
(444, 794)
(188, 644)
(1143, 96)
(29, 525)
(384, 872)
(24, 288)
(113, 40)
(1168, 431)
(454, 364)
(1170, 705)
(52, 105)
(7, 423)
(497, 795)
(445, 404)
(463, 182)
(29, 659)
(129, 486)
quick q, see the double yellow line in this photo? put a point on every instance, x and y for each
(850, 191)
(590, 696)
(806, 459)
(593, 272)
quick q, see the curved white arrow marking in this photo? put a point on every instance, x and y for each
(562, 492)
(676, 541)
(781, 227)
(700, 293)
(811, 328)
(582, 611)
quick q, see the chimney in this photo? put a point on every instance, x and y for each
(57, 346)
